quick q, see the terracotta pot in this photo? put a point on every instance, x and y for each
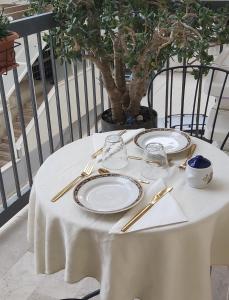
(7, 54)
(150, 120)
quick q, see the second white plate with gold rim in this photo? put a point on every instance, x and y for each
(108, 193)
(173, 140)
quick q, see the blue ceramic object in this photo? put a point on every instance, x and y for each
(199, 162)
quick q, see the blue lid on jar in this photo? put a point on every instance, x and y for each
(199, 162)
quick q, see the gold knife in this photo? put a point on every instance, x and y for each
(154, 200)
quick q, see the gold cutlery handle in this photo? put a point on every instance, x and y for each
(65, 189)
(137, 217)
(135, 157)
(99, 151)
(155, 199)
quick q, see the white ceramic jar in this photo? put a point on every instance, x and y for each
(197, 176)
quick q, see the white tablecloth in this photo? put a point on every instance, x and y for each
(164, 263)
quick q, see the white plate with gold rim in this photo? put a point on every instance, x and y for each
(108, 193)
(173, 140)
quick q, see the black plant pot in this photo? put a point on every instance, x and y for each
(149, 120)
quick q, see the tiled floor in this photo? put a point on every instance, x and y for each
(18, 280)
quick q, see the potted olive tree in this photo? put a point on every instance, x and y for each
(135, 37)
(7, 40)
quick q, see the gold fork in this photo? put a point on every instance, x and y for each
(100, 150)
(86, 172)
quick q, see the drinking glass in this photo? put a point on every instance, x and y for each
(155, 163)
(114, 153)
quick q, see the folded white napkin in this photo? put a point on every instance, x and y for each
(99, 138)
(165, 211)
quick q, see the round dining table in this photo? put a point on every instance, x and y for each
(170, 262)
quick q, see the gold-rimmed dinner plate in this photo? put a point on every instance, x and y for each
(108, 193)
(173, 140)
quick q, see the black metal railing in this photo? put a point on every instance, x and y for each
(77, 111)
(186, 102)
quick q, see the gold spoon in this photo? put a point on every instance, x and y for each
(103, 171)
(135, 157)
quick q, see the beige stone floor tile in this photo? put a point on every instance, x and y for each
(13, 243)
(54, 286)
(20, 281)
(220, 282)
(87, 286)
(39, 296)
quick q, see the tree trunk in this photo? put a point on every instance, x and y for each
(126, 99)
(137, 91)
(116, 106)
(113, 93)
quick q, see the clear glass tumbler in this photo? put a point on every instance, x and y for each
(114, 155)
(155, 163)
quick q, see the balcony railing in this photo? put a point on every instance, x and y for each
(69, 111)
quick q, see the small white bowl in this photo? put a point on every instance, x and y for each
(198, 178)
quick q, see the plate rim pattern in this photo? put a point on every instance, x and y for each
(86, 180)
(164, 129)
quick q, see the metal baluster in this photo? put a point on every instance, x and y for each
(221, 48)
(183, 94)
(150, 89)
(224, 141)
(199, 102)
(75, 71)
(207, 102)
(45, 91)
(94, 97)
(2, 191)
(167, 94)
(54, 72)
(101, 92)
(194, 103)
(9, 134)
(33, 100)
(149, 95)
(68, 100)
(217, 109)
(171, 100)
(22, 123)
(86, 96)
